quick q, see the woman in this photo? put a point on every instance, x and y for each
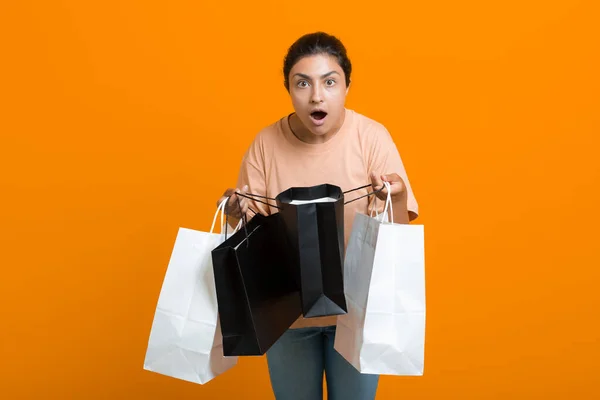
(320, 142)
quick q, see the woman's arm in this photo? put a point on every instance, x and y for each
(385, 164)
(399, 194)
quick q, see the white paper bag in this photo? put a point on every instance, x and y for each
(384, 281)
(185, 339)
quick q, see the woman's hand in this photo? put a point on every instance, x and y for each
(397, 186)
(398, 193)
(237, 205)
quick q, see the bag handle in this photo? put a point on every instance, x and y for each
(221, 209)
(366, 195)
(243, 221)
(358, 188)
(374, 209)
(253, 197)
(388, 203)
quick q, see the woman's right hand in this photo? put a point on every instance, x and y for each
(237, 205)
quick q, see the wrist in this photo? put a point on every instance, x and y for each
(400, 198)
(400, 210)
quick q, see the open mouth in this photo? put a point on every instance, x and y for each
(318, 115)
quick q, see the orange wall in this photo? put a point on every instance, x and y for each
(121, 121)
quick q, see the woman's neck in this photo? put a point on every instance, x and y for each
(305, 135)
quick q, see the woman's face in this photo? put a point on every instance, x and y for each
(318, 91)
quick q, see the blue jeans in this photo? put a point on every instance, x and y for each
(299, 358)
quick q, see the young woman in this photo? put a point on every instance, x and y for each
(320, 142)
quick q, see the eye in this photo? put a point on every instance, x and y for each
(330, 82)
(302, 84)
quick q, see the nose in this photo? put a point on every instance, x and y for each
(316, 95)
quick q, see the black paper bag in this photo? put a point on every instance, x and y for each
(315, 231)
(257, 295)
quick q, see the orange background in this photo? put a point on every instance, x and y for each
(121, 121)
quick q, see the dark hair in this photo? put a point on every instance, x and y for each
(312, 44)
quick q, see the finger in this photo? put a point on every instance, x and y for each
(376, 181)
(243, 201)
(226, 195)
(244, 191)
(397, 185)
(238, 200)
(234, 198)
(229, 192)
(232, 204)
(391, 178)
(378, 185)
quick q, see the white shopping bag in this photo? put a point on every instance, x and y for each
(185, 339)
(384, 282)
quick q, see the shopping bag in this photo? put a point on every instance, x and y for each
(313, 218)
(185, 339)
(384, 279)
(257, 295)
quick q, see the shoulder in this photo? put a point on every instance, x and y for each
(269, 135)
(369, 130)
(264, 141)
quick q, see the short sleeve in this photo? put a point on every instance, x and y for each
(384, 158)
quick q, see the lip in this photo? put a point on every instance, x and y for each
(318, 122)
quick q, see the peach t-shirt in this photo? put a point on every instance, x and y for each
(277, 160)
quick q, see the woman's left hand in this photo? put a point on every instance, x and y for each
(397, 186)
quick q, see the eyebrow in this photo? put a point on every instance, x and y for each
(322, 76)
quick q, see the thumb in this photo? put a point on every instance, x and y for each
(376, 181)
(233, 196)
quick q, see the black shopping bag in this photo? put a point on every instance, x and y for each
(313, 218)
(257, 296)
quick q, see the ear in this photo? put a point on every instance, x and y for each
(348, 88)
